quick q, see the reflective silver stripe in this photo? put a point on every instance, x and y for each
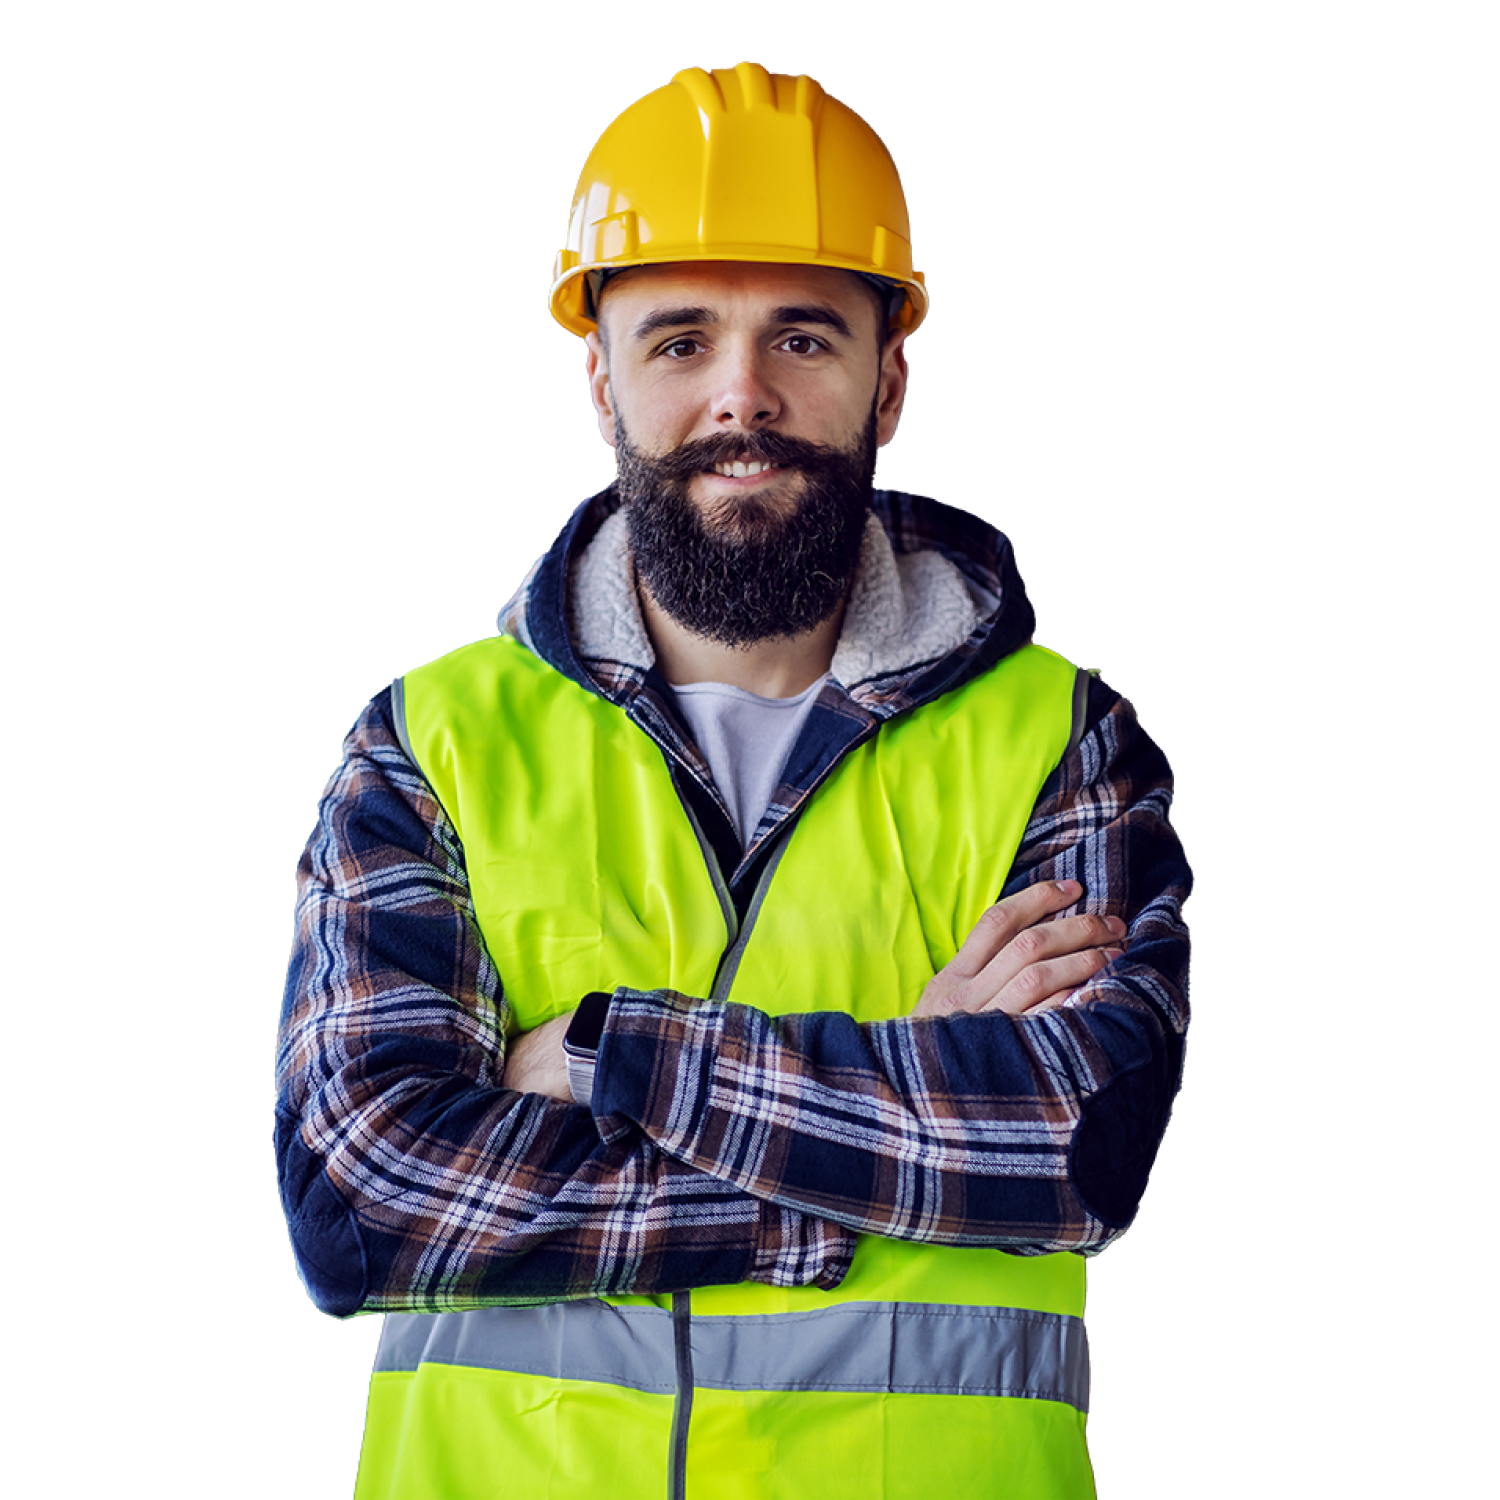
(939, 1349)
(564, 1340)
(1081, 680)
(729, 965)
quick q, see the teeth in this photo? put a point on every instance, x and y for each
(739, 470)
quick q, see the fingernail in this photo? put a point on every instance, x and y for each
(1111, 954)
(1116, 926)
(1067, 887)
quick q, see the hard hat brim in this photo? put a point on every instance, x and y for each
(569, 301)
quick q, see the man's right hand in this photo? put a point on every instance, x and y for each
(1015, 960)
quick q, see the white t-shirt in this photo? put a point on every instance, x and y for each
(746, 740)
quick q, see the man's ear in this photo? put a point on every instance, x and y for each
(890, 395)
(599, 391)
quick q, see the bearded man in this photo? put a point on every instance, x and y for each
(729, 1004)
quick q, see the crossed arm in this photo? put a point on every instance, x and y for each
(416, 1175)
(1014, 962)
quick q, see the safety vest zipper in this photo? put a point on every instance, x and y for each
(682, 1407)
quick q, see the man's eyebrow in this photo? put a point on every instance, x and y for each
(673, 317)
(816, 313)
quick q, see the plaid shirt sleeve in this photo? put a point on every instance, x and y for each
(411, 1179)
(1028, 1134)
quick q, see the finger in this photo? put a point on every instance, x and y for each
(1052, 1002)
(1046, 940)
(1001, 923)
(1051, 980)
(1013, 933)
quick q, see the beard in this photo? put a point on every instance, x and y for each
(740, 571)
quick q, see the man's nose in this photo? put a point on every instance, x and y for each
(744, 395)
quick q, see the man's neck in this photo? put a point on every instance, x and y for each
(778, 668)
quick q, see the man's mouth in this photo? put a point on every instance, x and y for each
(743, 470)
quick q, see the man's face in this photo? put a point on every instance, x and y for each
(746, 403)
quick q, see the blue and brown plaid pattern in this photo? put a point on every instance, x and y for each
(413, 1181)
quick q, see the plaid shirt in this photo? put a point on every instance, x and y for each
(722, 1145)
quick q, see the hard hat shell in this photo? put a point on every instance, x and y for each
(737, 164)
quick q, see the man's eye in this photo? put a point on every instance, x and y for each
(679, 348)
(801, 343)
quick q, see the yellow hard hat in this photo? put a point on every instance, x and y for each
(738, 164)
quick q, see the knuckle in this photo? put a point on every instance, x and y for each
(996, 918)
(1084, 932)
(1030, 984)
(940, 999)
(1030, 944)
(1087, 966)
(964, 998)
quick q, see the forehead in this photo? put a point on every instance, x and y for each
(735, 291)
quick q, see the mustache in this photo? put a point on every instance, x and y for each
(765, 447)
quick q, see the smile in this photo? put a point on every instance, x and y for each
(738, 470)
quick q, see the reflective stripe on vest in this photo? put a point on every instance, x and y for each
(588, 873)
(866, 1346)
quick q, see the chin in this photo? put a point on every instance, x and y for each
(756, 512)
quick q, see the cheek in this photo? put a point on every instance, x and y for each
(836, 398)
(841, 417)
(659, 416)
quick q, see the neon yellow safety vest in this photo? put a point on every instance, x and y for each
(932, 1371)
